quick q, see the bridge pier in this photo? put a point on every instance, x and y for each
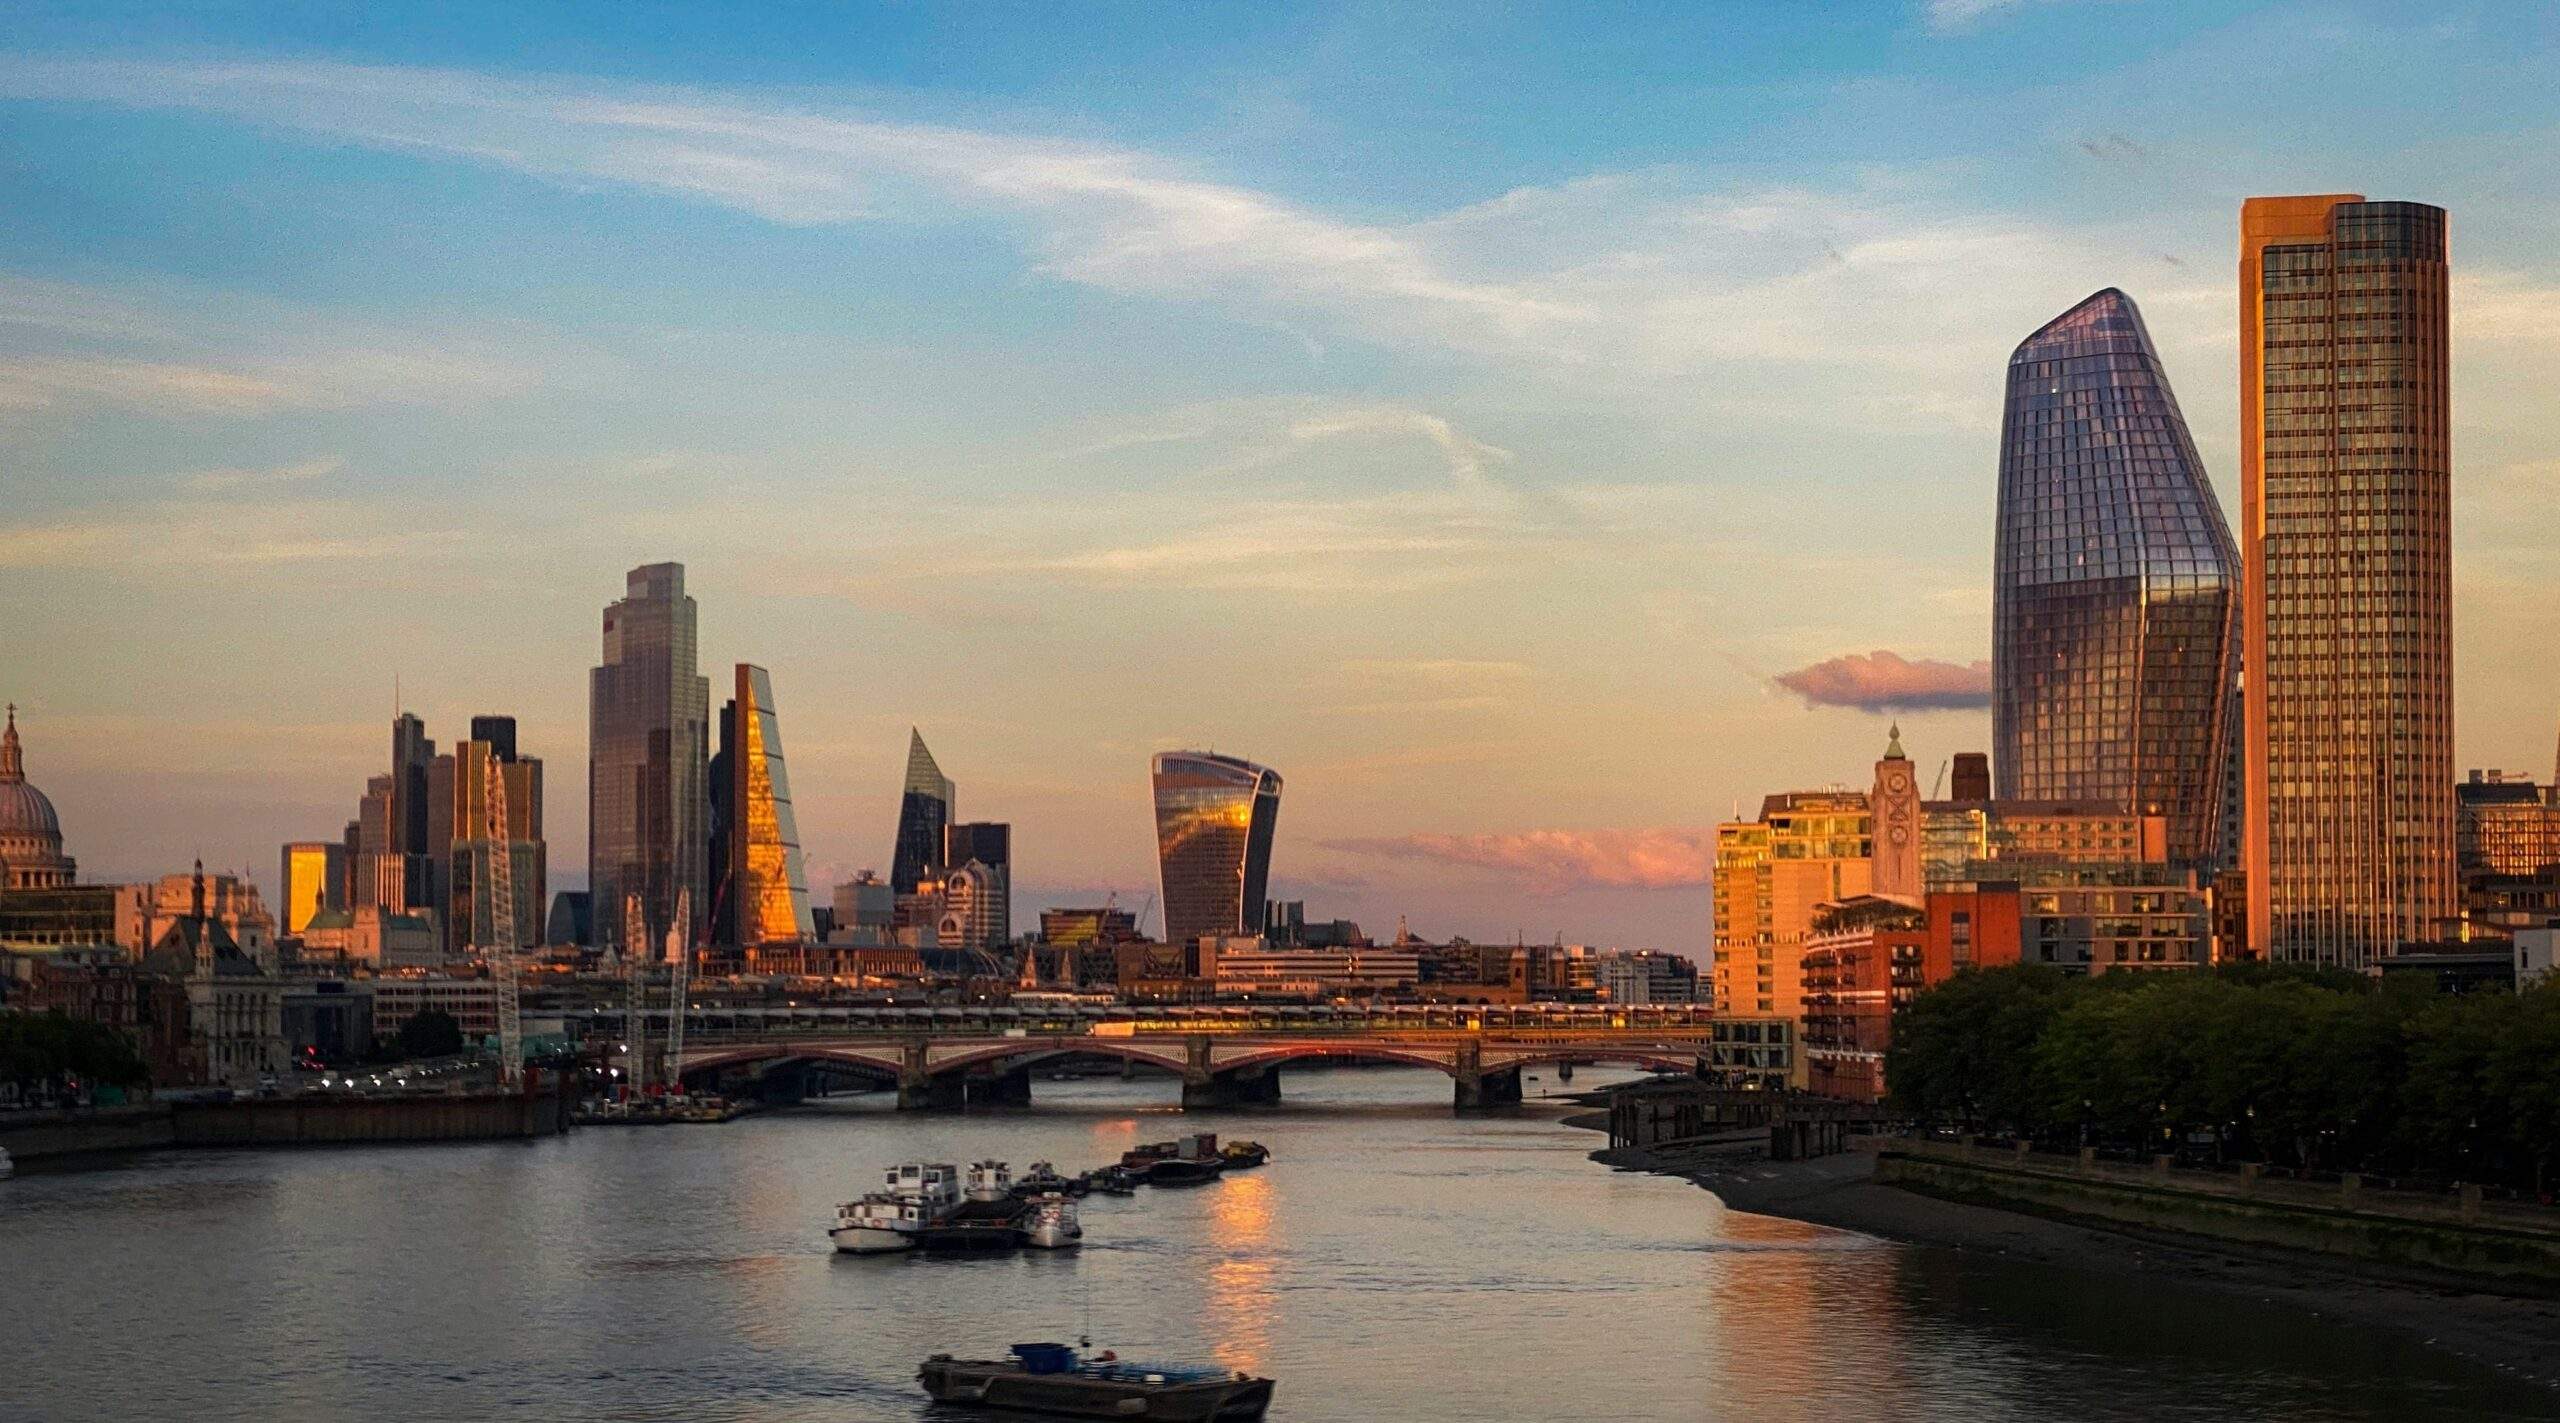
(1254, 1087)
(1000, 1089)
(932, 1094)
(1500, 1088)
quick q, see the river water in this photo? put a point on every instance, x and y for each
(1394, 1262)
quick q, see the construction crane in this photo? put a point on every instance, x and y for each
(1942, 778)
(680, 950)
(498, 844)
(635, 980)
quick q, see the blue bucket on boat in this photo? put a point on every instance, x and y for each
(1045, 1358)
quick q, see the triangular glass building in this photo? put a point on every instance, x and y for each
(924, 813)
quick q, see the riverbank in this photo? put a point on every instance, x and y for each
(2516, 1335)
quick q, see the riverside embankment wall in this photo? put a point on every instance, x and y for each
(2463, 1233)
(282, 1121)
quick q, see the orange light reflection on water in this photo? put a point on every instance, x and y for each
(1240, 1286)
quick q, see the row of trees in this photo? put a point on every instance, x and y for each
(2299, 1068)
(47, 1053)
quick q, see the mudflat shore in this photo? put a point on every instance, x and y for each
(2517, 1335)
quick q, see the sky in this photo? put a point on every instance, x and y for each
(1536, 431)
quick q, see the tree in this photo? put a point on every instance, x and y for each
(1966, 1048)
(430, 1032)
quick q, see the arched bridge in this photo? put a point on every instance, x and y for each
(1217, 1069)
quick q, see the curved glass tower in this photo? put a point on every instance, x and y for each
(1214, 821)
(2114, 583)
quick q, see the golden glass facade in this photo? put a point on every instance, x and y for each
(314, 879)
(1215, 819)
(1808, 848)
(766, 883)
(2346, 511)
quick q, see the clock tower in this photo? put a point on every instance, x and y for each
(1895, 806)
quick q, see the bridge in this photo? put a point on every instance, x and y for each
(1221, 1061)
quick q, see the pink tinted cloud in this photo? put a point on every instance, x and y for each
(1557, 861)
(1888, 681)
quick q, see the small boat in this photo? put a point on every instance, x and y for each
(920, 1195)
(1051, 1223)
(1111, 1180)
(1188, 1161)
(1043, 1177)
(1055, 1379)
(1243, 1155)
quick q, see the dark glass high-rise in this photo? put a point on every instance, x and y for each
(924, 816)
(1215, 818)
(2115, 584)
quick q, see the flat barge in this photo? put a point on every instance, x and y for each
(1053, 1379)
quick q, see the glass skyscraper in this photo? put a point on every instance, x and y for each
(2346, 463)
(1215, 816)
(763, 897)
(648, 736)
(2114, 584)
(924, 816)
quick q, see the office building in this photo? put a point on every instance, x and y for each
(763, 894)
(2346, 541)
(988, 843)
(1807, 849)
(1972, 777)
(470, 850)
(1643, 976)
(971, 896)
(1215, 819)
(313, 878)
(925, 807)
(648, 738)
(2114, 579)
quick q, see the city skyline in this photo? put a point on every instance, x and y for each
(1563, 410)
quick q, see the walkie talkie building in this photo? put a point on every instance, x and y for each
(2115, 579)
(1215, 816)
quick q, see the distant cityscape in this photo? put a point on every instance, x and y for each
(2205, 748)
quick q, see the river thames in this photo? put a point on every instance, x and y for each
(1394, 1262)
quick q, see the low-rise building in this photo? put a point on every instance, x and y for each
(1644, 976)
(472, 1002)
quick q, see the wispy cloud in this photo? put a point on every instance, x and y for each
(1945, 16)
(1551, 862)
(1887, 681)
(206, 533)
(214, 481)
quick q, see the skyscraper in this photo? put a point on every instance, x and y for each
(2346, 526)
(988, 843)
(471, 854)
(648, 734)
(763, 894)
(924, 814)
(314, 878)
(1215, 817)
(2114, 578)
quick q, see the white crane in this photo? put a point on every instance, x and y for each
(635, 993)
(498, 844)
(680, 949)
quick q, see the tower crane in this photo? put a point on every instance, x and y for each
(635, 1000)
(500, 951)
(1941, 783)
(680, 950)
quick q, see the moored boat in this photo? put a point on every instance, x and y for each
(1243, 1155)
(990, 1181)
(919, 1196)
(1051, 1224)
(1055, 1379)
(1185, 1161)
(1043, 1178)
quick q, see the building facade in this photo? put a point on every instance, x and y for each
(1773, 874)
(925, 808)
(30, 834)
(988, 844)
(1215, 820)
(1644, 976)
(311, 878)
(2114, 583)
(471, 846)
(763, 895)
(2346, 515)
(648, 740)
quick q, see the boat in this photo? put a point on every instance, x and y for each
(1111, 1180)
(919, 1195)
(1043, 1177)
(1188, 1161)
(1058, 1380)
(990, 1182)
(1243, 1155)
(1050, 1223)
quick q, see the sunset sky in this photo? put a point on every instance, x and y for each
(1534, 433)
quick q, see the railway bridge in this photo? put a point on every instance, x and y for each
(1219, 1064)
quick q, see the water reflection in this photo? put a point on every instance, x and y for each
(1240, 1286)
